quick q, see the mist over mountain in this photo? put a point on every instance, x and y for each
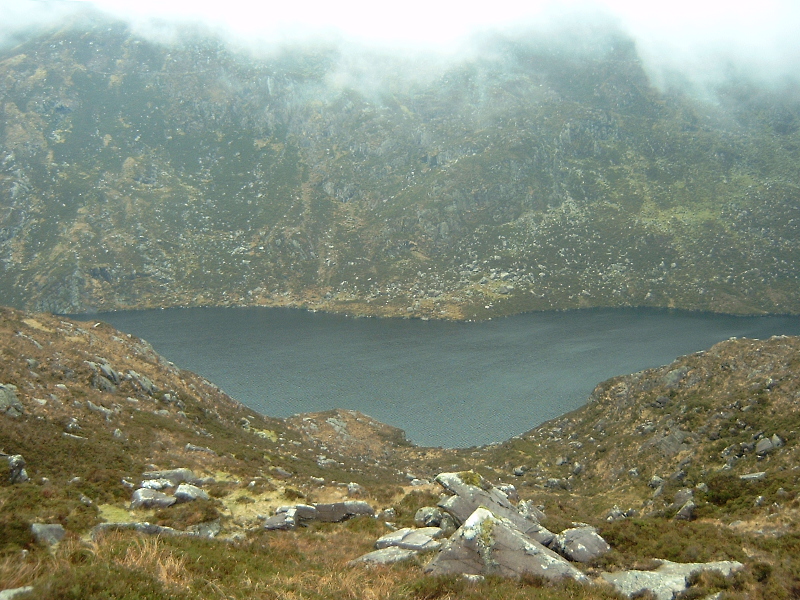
(539, 168)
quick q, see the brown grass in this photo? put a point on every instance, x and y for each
(150, 555)
(16, 572)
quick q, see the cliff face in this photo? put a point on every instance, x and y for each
(527, 177)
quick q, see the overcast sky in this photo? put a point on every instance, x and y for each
(697, 37)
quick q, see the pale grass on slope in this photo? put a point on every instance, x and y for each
(150, 555)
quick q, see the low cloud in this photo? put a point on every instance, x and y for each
(681, 41)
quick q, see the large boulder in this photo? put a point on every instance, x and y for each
(341, 511)
(187, 493)
(490, 545)
(668, 580)
(9, 403)
(580, 544)
(471, 491)
(147, 498)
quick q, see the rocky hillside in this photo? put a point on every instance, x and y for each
(544, 171)
(158, 485)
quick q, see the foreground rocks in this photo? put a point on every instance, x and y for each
(500, 539)
(470, 491)
(667, 581)
(494, 537)
(489, 545)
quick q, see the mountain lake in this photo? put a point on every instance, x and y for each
(449, 384)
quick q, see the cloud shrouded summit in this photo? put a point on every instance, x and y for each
(700, 42)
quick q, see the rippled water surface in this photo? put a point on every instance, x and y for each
(445, 384)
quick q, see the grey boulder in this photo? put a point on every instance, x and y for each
(143, 528)
(188, 493)
(341, 511)
(385, 556)
(476, 492)
(668, 580)
(9, 403)
(47, 534)
(422, 540)
(489, 545)
(281, 522)
(580, 544)
(147, 498)
(290, 517)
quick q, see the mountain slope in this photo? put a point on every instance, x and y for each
(539, 173)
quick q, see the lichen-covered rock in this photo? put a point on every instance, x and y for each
(472, 491)
(147, 498)
(489, 545)
(290, 517)
(187, 492)
(580, 544)
(668, 580)
(144, 382)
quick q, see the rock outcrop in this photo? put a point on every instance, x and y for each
(667, 581)
(147, 498)
(291, 517)
(470, 491)
(490, 545)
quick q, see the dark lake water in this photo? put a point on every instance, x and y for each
(446, 384)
